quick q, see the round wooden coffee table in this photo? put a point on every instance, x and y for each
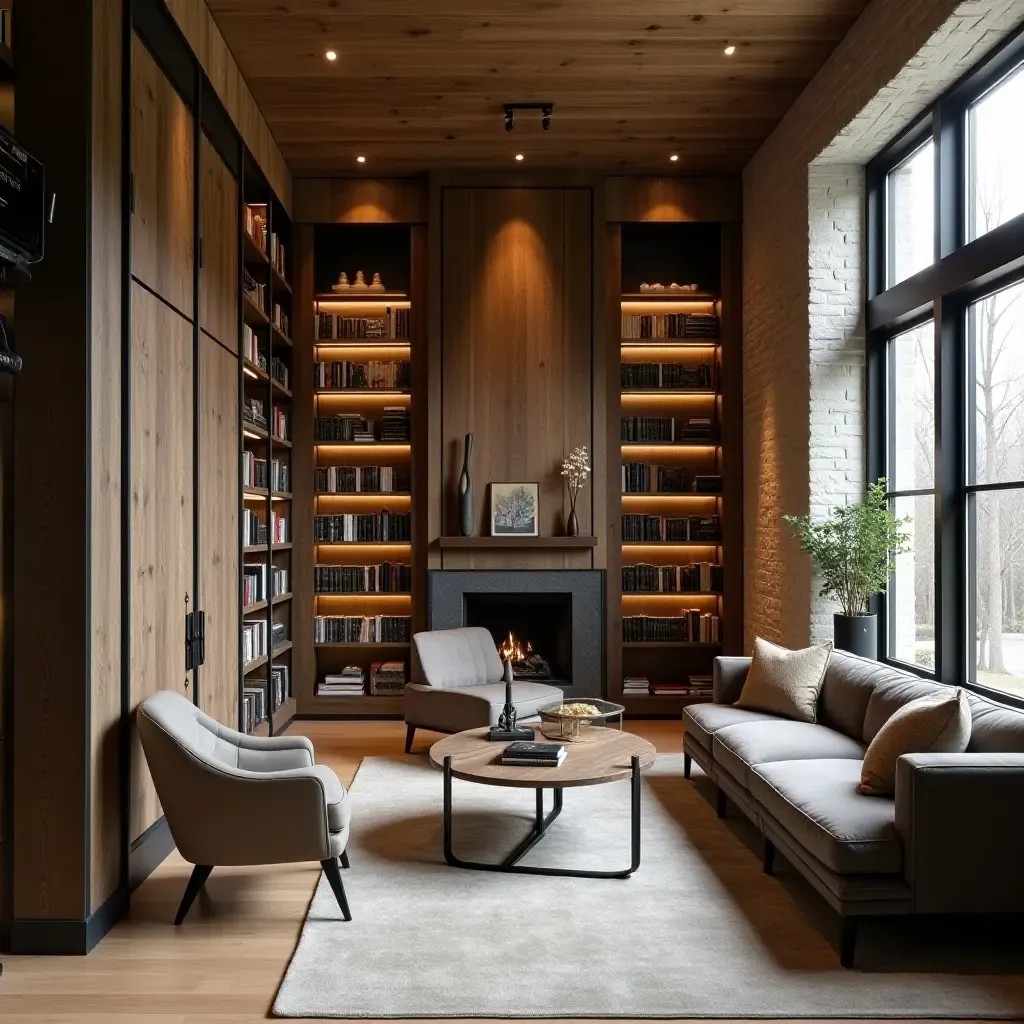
(605, 755)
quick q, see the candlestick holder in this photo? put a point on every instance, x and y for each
(506, 731)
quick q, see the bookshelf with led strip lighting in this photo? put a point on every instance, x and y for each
(265, 360)
(706, 388)
(384, 249)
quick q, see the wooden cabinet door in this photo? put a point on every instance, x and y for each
(161, 528)
(218, 233)
(162, 172)
(219, 529)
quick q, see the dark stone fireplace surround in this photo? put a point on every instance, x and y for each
(447, 591)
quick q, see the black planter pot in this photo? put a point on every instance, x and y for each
(857, 634)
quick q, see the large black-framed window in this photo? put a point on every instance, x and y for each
(945, 318)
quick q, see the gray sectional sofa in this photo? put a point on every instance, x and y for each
(952, 840)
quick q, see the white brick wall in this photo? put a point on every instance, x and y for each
(804, 283)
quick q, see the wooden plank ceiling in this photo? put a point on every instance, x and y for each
(421, 85)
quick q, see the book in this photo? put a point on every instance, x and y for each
(544, 751)
(533, 762)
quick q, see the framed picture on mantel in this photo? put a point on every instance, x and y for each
(514, 509)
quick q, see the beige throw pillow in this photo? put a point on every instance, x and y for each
(785, 682)
(938, 723)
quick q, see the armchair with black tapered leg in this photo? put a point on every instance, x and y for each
(233, 799)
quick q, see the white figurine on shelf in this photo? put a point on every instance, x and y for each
(377, 285)
(360, 282)
(656, 287)
(342, 285)
(673, 287)
(645, 287)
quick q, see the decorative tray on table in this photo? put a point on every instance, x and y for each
(573, 720)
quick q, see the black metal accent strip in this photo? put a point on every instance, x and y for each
(68, 937)
(1003, 485)
(197, 283)
(148, 852)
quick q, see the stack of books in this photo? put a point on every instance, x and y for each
(634, 686)
(350, 683)
(533, 755)
(387, 678)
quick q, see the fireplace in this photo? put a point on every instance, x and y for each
(558, 614)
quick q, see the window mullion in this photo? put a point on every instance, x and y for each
(949, 127)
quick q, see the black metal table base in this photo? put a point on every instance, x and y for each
(539, 830)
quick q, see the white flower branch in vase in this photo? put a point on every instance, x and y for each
(575, 469)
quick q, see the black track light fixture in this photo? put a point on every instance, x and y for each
(546, 110)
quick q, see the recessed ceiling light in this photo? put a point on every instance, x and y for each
(519, 156)
(674, 157)
(730, 49)
(360, 159)
(331, 55)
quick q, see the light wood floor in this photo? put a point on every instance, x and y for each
(224, 964)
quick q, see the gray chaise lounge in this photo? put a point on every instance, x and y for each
(952, 840)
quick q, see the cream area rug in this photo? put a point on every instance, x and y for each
(698, 931)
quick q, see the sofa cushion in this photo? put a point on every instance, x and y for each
(450, 658)
(472, 707)
(995, 728)
(891, 694)
(847, 687)
(739, 747)
(817, 803)
(784, 682)
(939, 723)
(702, 721)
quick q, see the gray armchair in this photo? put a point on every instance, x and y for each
(233, 799)
(457, 684)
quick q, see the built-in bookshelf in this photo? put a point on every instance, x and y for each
(267, 700)
(363, 471)
(671, 591)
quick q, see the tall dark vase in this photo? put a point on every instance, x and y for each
(572, 524)
(857, 634)
(466, 510)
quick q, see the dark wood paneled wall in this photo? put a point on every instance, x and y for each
(360, 200)
(516, 352)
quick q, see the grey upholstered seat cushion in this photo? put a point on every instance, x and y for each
(995, 728)
(702, 721)
(473, 707)
(739, 747)
(453, 658)
(817, 803)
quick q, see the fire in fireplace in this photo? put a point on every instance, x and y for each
(526, 662)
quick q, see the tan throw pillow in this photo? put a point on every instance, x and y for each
(785, 682)
(938, 723)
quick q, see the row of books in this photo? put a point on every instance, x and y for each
(255, 290)
(651, 429)
(386, 679)
(394, 425)
(278, 254)
(383, 578)
(376, 374)
(669, 325)
(254, 472)
(672, 579)
(255, 634)
(280, 319)
(637, 478)
(696, 686)
(361, 629)
(254, 581)
(251, 348)
(666, 376)
(693, 626)
(279, 423)
(637, 527)
(254, 695)
(254, 528)
(361, 479)
(254, 411)
(280, 372)
(255, 224)
(368, 527)
(394, 325)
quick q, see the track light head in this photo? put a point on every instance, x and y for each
(545, 119)
(510, 119)
(545, 107)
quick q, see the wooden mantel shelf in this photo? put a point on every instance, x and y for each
(518, 542)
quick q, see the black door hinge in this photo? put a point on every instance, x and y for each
(200, 254)
(195, 639)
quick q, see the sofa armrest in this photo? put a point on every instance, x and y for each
(958, 816)
(727, 678)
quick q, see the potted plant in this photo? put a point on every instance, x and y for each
(854, 550)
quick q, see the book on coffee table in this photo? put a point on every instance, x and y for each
(533, 754)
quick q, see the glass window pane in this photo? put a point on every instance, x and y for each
(911, 600)
(996, 156)
(912, 444)
(911, 213)
(997, 337)
(997, 548)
